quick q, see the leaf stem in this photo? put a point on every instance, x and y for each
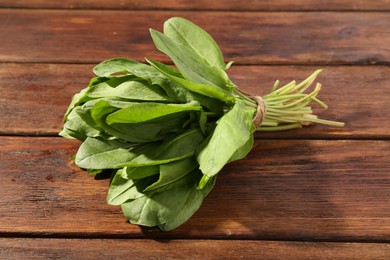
(289, 107)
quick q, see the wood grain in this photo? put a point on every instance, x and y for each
(35, 97)
(90, 36)
(313, 193)
(231, 5)
(26, 248)
(284, 190)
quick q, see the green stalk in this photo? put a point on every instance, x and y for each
(288, 107)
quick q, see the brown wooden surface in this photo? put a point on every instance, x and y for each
(46, 89)
(248, 38)
(17, 248)
(230, 5)
(325, 191)
(313, 193)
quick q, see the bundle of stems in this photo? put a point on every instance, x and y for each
(289, 106)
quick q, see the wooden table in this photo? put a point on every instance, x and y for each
(318, 192)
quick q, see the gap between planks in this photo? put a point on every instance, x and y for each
(168, 237)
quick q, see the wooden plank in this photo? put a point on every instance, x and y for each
(27, 248)
(284, 190)
(248, 38)
(35, 97)
(232, 5)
